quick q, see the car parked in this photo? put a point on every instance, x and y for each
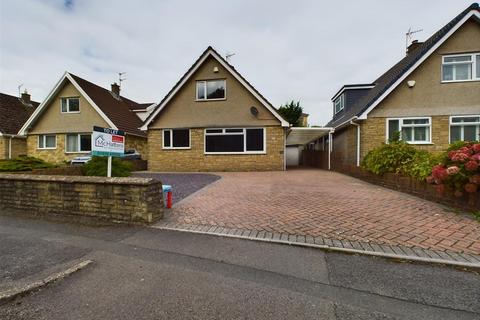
(130, 154)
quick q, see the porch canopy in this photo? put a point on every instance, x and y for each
(297, 136)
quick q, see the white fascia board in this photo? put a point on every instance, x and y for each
(23, 130)
(472, 13)
(85, 95)
(228, 68)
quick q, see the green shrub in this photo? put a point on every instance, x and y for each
(23, 163)
(388, 157)
(98, 167)
(400, 157)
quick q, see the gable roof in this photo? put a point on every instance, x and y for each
(14, 112)
(116, 111)
(388, 81)
(207, 53)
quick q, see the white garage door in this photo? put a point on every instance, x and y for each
(293, 156)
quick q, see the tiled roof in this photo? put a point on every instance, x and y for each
(117, 109)
(14, 113)
(385, 81)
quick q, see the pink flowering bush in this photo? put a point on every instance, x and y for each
(459, 170)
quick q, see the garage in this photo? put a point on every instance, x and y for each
(306, 146)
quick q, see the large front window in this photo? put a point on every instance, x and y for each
(211, 90)
(411, 130)
(70, 105)
(462, 67)
(464, 128)
(235, 140)
(47, 141)
(76, 143)
(176, 138)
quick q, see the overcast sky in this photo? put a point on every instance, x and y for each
(301, 50)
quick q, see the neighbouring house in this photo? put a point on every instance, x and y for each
(60, 128)
(215, 120)
(430, 98)
(14, 112)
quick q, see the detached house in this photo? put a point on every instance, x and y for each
(60, 128)
(430, 98)
(14, 112)
(215, 120)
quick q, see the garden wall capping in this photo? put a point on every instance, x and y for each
(126, 200)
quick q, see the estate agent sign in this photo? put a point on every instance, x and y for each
(108, 142)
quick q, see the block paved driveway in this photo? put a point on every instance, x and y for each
(326, 204)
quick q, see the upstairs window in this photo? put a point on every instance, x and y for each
(339, 103)
(464, 128)
(211, 90)
(76, 143)
(464, 67)
(70, 105)
(411, 130)
(176, 139)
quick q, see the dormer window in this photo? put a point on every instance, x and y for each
(211, 90)
(70, 105)
(339, 103)
(461, 67)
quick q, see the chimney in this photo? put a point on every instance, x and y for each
(25, 97)
(413, 46)
(116, 89)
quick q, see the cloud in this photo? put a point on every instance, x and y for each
(301, 50)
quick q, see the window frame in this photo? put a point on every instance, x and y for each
(205, 90)
(473, 55)
(244, 133)
(462, 124)
(341, 99)
(171, 139)
(68, 104)
(44, 138)
(400, 126)
(78, 142)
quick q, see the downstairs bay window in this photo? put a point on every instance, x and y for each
(78, 143)
(412, 130)
(464, 128)
(235, 141)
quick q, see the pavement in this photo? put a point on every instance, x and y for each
(144, 273)
(329, 206)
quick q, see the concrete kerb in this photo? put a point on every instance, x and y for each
(19, 291)
(383, 251)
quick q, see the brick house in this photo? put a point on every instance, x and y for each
(431, 97)
(14, 112)
(60, 128)
(215, 120)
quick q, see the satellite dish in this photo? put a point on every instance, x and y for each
(254, 111)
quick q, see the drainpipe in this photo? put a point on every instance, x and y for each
(358, 141)
(330, 144)
(10, 148)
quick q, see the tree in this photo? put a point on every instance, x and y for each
(292, 112)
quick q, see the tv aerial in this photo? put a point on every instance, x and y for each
(121, 77)
(409, 36)
(228, 55)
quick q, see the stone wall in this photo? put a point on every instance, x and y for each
(18, 145)
(137, 143)
(344, 150)
(422, 189)
(126, 200)
(194, 159)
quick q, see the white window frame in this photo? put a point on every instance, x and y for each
(462, 124)
(473, 63)
(205, 90)
(341, 100)
(400, 126)
(244, 133)
(78, 142)
(68, 104)
(171, 139)
(44, 138)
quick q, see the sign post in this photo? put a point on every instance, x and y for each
(109, 143)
